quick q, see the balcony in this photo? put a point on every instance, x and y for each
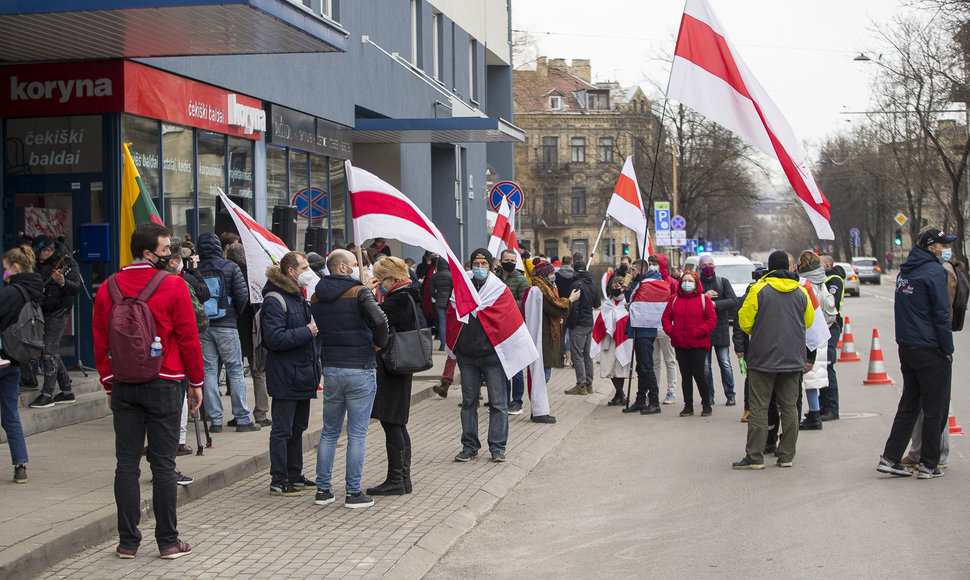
(551, 170)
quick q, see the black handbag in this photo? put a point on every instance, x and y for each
(409, 351)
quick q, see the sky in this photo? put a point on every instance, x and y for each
(801, 52)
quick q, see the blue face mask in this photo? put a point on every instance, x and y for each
(479, 273)
(946, 255)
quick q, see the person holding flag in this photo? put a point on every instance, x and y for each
(610, 340)
(648, 300)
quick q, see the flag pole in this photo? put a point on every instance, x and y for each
(592, 254)
(656, 151)
(224, 197)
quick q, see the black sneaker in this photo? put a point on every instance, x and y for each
(301, 482)
(745, 464)
(248, 427)
(42, 402)
(63, 397)
(20, 474)
(466, 455)
(283, 489)
(543, 419)
(687, 412)
(498, 457)
(652, 409)
(893, 468)
(215, 428)
(706, 411)
(323, 497)
(183, 480)
(923, 472)
(265, 422)
(357, 500)
(731, 401)
(232, 422)
(636, 407)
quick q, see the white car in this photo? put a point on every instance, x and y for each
(851, 279)
(737, 269)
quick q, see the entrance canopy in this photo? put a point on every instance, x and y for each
(445, 130)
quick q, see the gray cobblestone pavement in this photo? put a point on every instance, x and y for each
(242, 531)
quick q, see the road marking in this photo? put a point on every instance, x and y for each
(857, 415)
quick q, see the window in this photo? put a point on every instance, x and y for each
(472, 70)
(555, 102)
(338, 205)
(550, 152)
(579, 246)
(415, 32)
(212, 176)
(241, 172)
(277, 181)
(550, 247)
(436, 40)
(609, 250)
(178, 144)
(606, 150)
(550, 206)
(598, 101)
(578, 199)
(143, 134)
(578, 147)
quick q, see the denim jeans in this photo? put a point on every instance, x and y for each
(152, 409)
(222, 344)
(516, 388)
(50, 362)
(290, 420)
(10, 416)
(727, 372)
(442, 323)
(347, 392)
(472, 371)
(548, 371)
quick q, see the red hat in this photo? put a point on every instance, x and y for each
(543, 269)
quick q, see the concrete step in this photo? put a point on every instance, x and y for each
(89, 405)
(79, 385)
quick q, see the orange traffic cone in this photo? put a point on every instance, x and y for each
(877, 370)
(954, 428)
(848, 345)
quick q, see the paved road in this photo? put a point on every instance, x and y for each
(656, 496)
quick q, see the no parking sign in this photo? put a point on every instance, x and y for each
(505, 190)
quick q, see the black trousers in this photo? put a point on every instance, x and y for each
(829, 397)
(290, 420)
(155, 409)
(396, 435)
(693, 368)
(926, 387)
(646, 378)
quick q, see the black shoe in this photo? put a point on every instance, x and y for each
(618, 400)
(323, 497)
(829, 416)
(63, 397)
(183, 479)
(232, 423)
(391, 486)
(770, 448)
(215, 428)
(357, 500)
(265, 422)
(688, 411)
(812, 422)
(466, 455)
(706, 411)
(636, 407)
(893, 467)
(543, 419)
(441, 390)
(652, 409)
(284, 489)
(730, 401)
(745, 464)
(301, 482)
(20, 474)
(42, 402)
(248, 427)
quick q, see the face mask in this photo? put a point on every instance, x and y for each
(616, 292)
(6, 275)
(479, 273)
(162, 262)
(707, 271)
(508, 266)
(652, 268)
(178, 270)
(946, 255)
(305, 278)
(355, 273)
(688, 286)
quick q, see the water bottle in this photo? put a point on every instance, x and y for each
(156, 347)
(743, 365)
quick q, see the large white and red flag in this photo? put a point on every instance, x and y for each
(626, 206)
(709, 76)
(612, 321)
(379, 210)
(262, 247)
(648, 302)
(502, 322)
(532, 311)
(503, 234)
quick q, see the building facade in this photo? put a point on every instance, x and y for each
(578, 135)
(273, 97)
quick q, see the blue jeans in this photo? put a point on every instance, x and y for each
(442, 324)
(516, 389)
(222, 344)
(727, 373)
(347, 392)
(472, 370)
(10, 416)
(548, 374)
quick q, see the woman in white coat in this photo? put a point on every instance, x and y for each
(811, 271)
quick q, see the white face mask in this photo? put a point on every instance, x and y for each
(305, 279)
(179, 269)
(688, 286)
(652, 268)
(355, 273)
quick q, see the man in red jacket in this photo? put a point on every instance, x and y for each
(152, 407)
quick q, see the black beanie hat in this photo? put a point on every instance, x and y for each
(482, 253)
(42, 241)
(778, 260)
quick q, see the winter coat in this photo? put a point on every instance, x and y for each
(922, 303)
(564, 280)
(517, 283)
(554, 312)
(350, 322)
(12, 301)
(244, 322)
(392, 403)
(581, 313)
(689, 319)
(211, 258)
(441, 286)
(818, 377)
(726, 306)
(59, 297)
(292, 366)
(775, 314)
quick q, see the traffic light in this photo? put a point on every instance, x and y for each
(626, 248)
(898, 238)
(701, 244)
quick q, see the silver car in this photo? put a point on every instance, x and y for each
(867, 269)
(851, 279)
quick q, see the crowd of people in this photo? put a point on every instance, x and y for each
(168, 326)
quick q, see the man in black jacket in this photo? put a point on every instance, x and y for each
(580, 325)
(719, 290)
(835, 284)
(62, 282)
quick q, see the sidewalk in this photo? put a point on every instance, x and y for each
(68, 504)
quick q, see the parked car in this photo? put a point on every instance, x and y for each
(867, 269)
(737, 269)
(851, 279)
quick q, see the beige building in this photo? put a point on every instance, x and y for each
(578, 134)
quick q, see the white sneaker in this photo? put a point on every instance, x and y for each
(671, 399)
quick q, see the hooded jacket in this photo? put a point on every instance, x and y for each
(211, 258)
(726, 305)
(59, 297)
(690, 317)
(517, 283)
(350, 323)
(441, 284)
(775, 314)
(922, 303)
(292, 366)
(11, 299)
(564, 280)
(581, 313)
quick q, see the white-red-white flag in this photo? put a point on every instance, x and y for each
(379, 210)
(532, 312)
(648, 302)
(817, 335)
(262, 247)
(626, 206)
(502, 322)
(611, 322)
(503, 234)
(709, 76)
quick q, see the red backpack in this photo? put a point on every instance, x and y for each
(131, 332)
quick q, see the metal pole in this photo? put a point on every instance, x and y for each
(674, 161)
(592, 255)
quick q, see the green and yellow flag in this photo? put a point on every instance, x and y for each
(137, 207)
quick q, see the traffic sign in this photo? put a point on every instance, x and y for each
(678, 223)
(854, 232)
(678, 238)
(661, 220)
(900, 219)
(312, 202)
(661, 205)
(690, 246)
(503, 190)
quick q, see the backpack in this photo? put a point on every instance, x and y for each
(23, 341)
(960, 300)
(259, 349)
(131, 331)
(215, 280)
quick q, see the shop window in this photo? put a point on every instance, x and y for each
(178, 177)
(212, 178)
(53, 145)
(241, 173)
(338, 205)
(145, 137)
(277, 186)
(299, 192)
(320, 191)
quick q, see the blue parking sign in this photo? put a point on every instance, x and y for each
(661, 220)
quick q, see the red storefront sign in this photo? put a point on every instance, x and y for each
(125, 86)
